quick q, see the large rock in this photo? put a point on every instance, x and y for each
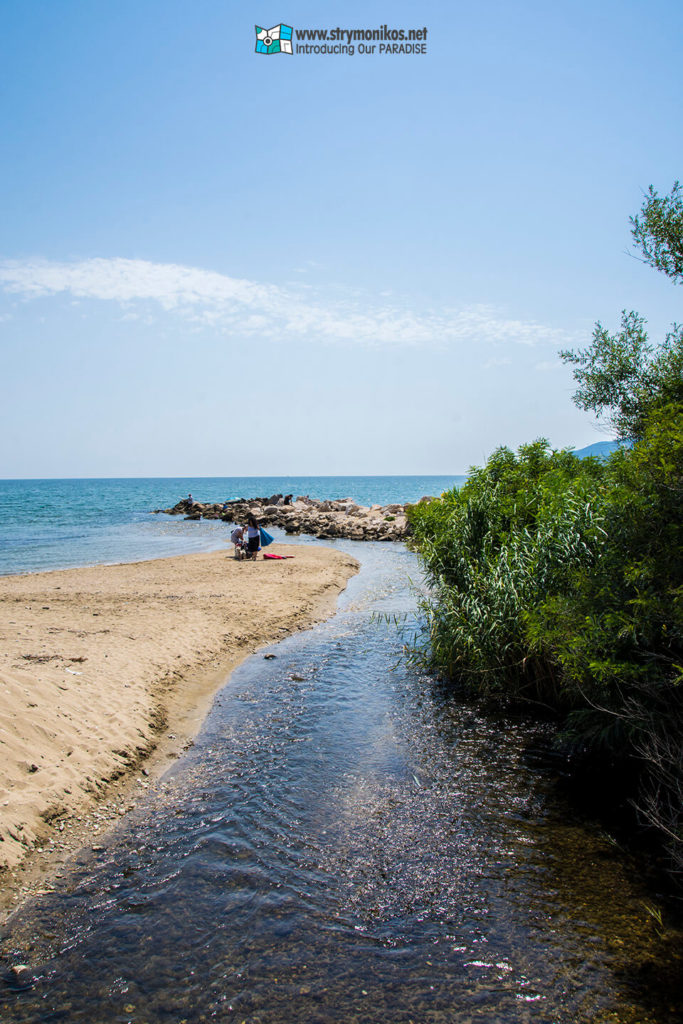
(341, 517)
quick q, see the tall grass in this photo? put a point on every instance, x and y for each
(559, 581)
(492, 551)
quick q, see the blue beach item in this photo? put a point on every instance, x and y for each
(265, 537)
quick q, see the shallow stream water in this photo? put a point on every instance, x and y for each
(345, 842)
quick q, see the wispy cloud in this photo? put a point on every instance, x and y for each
(233, 304)
(548, 366)
(494, 363)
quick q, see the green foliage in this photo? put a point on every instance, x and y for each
(621, 376)
(616, 631)
(658, 232)
(558, 580)
(492, 550)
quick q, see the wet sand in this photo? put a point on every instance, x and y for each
(106, 674)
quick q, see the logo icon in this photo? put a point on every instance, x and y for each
(274, 40)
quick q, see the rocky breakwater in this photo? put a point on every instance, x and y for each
(322, 519)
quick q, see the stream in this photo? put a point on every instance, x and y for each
(345, 841)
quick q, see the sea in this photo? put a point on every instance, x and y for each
(62, 524)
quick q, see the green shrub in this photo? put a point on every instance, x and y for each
(559, 580)
(492, 551)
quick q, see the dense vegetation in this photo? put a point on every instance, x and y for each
(558, 582)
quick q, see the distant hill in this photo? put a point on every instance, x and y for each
(601, 449)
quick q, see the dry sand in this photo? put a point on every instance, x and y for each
(107, 672)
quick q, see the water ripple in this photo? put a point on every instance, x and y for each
(344, 842)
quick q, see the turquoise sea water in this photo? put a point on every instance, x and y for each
(57, 524)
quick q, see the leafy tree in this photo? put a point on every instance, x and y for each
(615, 632)
(560, 580)
(621, 375)
(658, 232)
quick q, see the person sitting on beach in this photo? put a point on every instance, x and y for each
(237, 537)
(253, 538)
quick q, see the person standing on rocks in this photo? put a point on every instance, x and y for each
(253, 538)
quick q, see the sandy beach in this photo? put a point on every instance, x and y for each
(106, 674)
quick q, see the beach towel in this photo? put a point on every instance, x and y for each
(265, 537)
(272, 557)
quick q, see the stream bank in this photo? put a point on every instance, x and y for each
(345, 841)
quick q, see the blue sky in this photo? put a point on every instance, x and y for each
(214, 262)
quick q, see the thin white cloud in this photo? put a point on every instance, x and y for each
(238, 305)
(548, 366)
